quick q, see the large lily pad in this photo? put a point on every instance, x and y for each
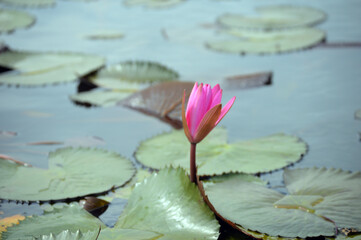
(55, 222)
(131, 76)
(68, 235)
(169, 204)
(318, 201)
(253, 156)
(268, 42)
(12, 19)
(152, 3)
(30, 3)
(35, 68)
(275, 17)
(72, 172)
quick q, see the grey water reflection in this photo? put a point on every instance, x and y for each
(314, 93)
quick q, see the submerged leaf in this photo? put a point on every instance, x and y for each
(167, 203)
(105, 35)
(72, 172)
(152, 3)
(249, 80)
(275, 17)
(69, 217)
(358, 114)
(163, 100)
(268, 42)
(13, 19)
(318, 201)
(253, 156)
(30, 3)
(37, 68)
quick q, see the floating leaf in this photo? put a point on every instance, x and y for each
(68, 217)
(125, 192)
(318, 200)
(152, 3)
(46, 68)
(12, 19)
(268, 42)
(100, 98)
(68, 235)
(131, 76)
(30, 3)
(105, 35)
(163, 100)
(169, 204)
(249, 80)
(253, 156)
(275, 17)
(9, 221)
(358, 114)
(72, 172)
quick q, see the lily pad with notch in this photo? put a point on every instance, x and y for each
(246, 42)
(253, 156)
(275, 17)
(73, 172)
(319, 200)
(37, 68)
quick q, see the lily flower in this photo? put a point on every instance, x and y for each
(204, 111)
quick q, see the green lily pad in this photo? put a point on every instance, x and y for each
(69, 217)
(253, 156)
(268, 42)
(68, 235)
(275, 17)
(131, 76)
(35, 68)
(72, 172)
(318, 200)
(169, 204)
(358, 114)
(152, 3)
(100, 98)
(12, 19)
(29, 3)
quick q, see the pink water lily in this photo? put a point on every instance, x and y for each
(204, 112)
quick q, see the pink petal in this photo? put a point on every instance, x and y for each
(216, 98)
(197, 110)
(208, 94)
(215, 89)
(192, 96)
(225, 109)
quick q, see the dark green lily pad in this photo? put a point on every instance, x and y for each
(268, 42)
(72, 172)
(253, 156)
(275, 17)
(13, 19)
(30, 3)
(152, 3)
(169, 204)
(132, 76)
(69, 217)
(319, 199)
(35, 68)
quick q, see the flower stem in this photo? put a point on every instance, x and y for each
(193, 168)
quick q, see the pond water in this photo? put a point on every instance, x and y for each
(314, 93)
